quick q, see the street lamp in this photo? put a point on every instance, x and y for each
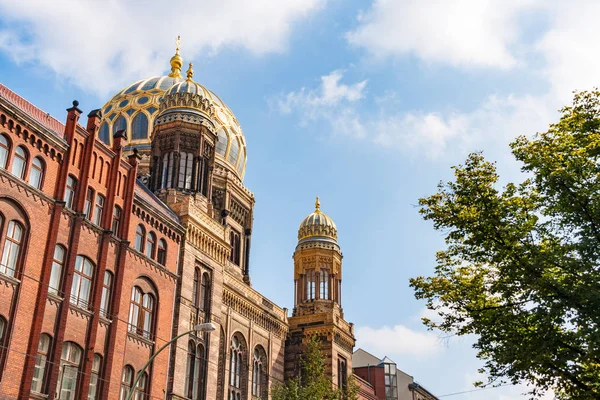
(206, 327)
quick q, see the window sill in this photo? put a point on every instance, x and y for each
(54, 298)
(11, 280)
(36, 395)
(140, 338)
(80, 310)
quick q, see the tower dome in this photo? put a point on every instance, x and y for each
(136, 107)
(317, 226)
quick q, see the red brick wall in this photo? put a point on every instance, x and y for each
(24, 300)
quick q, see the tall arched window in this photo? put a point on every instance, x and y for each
(4, 150)
(58, 263)
(167, 171)
(237, 369)
(70, 191)
(12, 249)
(140, 235)
(202, 176)
(141, 312)
(259, 375)
(98, 209)
(106, 290)
(139, 127)
(94, 377)
(82, 282)
(39, 371)
(196, 287)
(70, 360)
(126, 382)
(116, 221)
(150, 245)
(186, 162)
(161, 255)
(204, 304)
(19, 162)
(141, 389)
(120, 123)
(310, 284)
(36, 173)
(324, 285)
(103, 133)
(195, 372)
(234, 241)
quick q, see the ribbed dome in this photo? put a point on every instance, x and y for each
(136, 107)
(317, 226)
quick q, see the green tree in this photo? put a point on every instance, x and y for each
(313, 382)
(521, 267)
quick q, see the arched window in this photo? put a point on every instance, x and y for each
(310, 284)
(167, 171)
(106, 290)
(70, 191)
(141, 311)
(120, 123)
(196, 287)
(233, 151)
(139, 127)
(140, 235)
(161, 255)
(324, 285)
(89, 199)
(259, 375)
(126, 382)
(94, 377)
(204, 304)
(202, 174)
(186, 162)
(103, 133)
(12, 249)
(57, 267)
(141, 389)
(237, 369)
(39, 371)
(70, 360)
(82, 282)
(4, 150)
(98, 208)
(150, 245)
(116, 221)
(20, 162)
(36, 173)
(234, 241)
(195, 371)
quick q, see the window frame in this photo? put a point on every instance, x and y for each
(40, 169)
(23, 160)
(95, 380)
(142, 308)
(56, 272)
(80, 277)
(126, 386)
(116, 219)
(161, 252)
(68, 363)
(140, 238)
(99, 204)
(4, 151)
(70, 191)
(105, 297)
(150, 245)
(88, 210)
(12, 249)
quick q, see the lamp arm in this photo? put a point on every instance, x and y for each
(141, 371)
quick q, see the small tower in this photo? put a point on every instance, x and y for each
(318, 298)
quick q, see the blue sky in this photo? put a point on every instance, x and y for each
(364, 103)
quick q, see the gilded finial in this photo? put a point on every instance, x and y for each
(176, 61)
(317, 204)
(190, 73)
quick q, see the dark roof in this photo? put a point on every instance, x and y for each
(145, 193)
(41, 117)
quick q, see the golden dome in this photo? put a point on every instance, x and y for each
(317, 226)
(136, 107)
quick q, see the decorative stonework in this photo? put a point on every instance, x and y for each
(205, 243)
(253, 313)
(185, 117)
(238, 212)
(186, 100)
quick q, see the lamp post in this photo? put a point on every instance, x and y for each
(206, 327)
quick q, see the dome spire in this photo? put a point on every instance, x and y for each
(190, 73)
(317, 204)
(176, 61)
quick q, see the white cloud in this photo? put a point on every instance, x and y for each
(102, 45)
(415, 132)
(463, 33)
(397, 341)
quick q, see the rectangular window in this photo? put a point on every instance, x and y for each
(98, 209)
(105, 300)
(89, 199)
(70, 191)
